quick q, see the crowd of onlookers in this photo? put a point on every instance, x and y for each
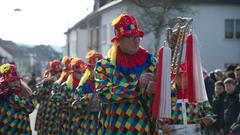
(223, 90)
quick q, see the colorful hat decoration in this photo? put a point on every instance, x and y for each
(125, 25)
(66, 61)
(9, 72)
(77, 65)
(93, 57)
(55, 65)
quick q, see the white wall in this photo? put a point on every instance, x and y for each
(209, 25)
(82, 48)
(65, 50)
(107, 17)
(73, 43)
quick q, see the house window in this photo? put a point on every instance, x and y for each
(229, 28)
(237, 29)
(102, 3)
(232, 28)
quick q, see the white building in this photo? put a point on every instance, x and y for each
(216, 23)
(6, 54)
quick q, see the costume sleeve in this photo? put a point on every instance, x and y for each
(27, 105)
(106, 78)
(60, 93)
(42, 91)
(56, 92)
(87, 88)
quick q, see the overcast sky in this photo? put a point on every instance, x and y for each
(40, 21)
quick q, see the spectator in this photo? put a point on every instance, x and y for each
(219, 74)
(209, 84)
(212, 76)
(237, 77)
(231, 104)
(235, 128)
(218, 108)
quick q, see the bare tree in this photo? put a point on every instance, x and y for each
(157, 15)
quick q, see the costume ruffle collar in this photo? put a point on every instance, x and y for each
(132, 63)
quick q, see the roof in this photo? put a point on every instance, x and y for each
(83, 23)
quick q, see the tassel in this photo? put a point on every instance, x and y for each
(189, 65)
(196, 86)
(162, 99)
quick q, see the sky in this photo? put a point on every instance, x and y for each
(41, 21)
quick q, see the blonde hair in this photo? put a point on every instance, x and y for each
(112, 53)
(85, 77)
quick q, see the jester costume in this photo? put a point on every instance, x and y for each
(68, 115)
(55, 100)
(15, 107)
(14, 115)
(88, 97)
(42, 118)
(69, 119)
(46, 112)
(88, 111)
(124, 105)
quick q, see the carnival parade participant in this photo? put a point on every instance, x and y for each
(56, 111)
(122, 79)
(66, 61)
(187, 115)
(87, 97)
(189, 102)
(44, 119)
(231, 104)
(17, 102)
(69, 119)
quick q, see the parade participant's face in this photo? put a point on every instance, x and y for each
(229, 87)
(129, 44)
(78, 75)
(15, 83)
(237, 75)
(219, 89)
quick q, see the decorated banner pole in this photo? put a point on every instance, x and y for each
(162, 100)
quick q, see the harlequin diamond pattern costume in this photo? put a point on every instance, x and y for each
(14, 108)
(69, 115)
(124, 106)
(45, 120)
(88, 98)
